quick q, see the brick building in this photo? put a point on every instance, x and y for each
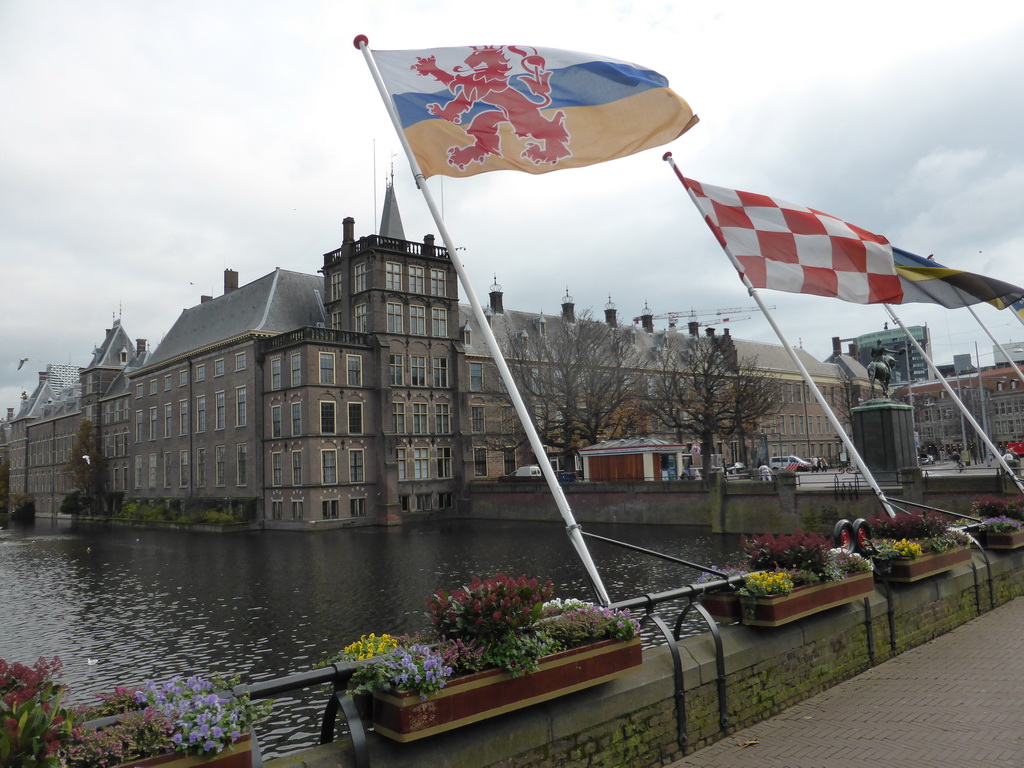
(360, 395)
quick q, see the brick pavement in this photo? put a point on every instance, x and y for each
(957, 701)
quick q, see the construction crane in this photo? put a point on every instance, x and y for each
(724, 315)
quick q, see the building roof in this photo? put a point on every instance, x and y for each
(391, 219)
(770, 357)
(109, 353)
(633, 445)
(278, 302)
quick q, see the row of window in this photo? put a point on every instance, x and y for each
(395, 312)
(328, 418)
(777, 424)
(418, 374)
(417, 416)
(397, 277)
(166, 416)
(413, 463)
(329, 508)
(329, 474)
(327, 370)
(199, 374)
(166, 469)
(793, 392)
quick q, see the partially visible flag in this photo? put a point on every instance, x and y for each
(926, 280)
(474, 109)
(1018, 309)
(787, 247)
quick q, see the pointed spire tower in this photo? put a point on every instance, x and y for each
(390, 218)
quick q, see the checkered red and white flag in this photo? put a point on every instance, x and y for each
(788, 247)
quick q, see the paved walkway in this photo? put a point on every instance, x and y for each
(957, 701)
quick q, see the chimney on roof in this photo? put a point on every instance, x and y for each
(692, 327)
(610, 315)
(10, 414)
(428, 245)
(647, 319)
(725, 332)
(140, 346)
(853, 349)
(348, 230)
(230, 281)
(568, 308)
(709, 332)
(497, 298)
(837, 346)
(203, 299)
(42, 377)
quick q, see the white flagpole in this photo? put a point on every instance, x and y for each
(963, 409)
(572, 527)
(847, 442)
(985, 328)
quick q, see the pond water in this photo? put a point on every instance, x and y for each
(150, 604)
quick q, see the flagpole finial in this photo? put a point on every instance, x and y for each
(360, 41)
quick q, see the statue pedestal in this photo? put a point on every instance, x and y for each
(883, 433)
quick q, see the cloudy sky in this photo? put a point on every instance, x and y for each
(148, 146)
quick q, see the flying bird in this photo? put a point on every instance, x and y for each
(23, 361)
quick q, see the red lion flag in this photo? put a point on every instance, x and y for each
(473, 109)
(787, 247)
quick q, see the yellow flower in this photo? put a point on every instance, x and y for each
(768, 583)
(905, 548)
(370, 645)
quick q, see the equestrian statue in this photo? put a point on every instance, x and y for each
(882, 365)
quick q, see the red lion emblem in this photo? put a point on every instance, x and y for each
(486, 82)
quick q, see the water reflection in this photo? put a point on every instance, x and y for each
(152, 604)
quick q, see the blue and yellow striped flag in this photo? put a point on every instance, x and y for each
(926, 280)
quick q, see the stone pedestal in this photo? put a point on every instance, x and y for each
(883, 433)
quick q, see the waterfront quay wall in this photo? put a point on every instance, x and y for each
(730, 506)
(632, 722)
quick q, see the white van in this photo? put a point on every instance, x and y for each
(788, 464)
(530, 470)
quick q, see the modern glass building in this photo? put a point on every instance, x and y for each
(911, 366)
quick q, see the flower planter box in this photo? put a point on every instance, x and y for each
(404, 716)
(907, 570)
(724, 607)
(1004, 540)
(776, 610)
(239, 757)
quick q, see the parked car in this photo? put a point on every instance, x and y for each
(530, 470)
(739, 468)
(789, 464)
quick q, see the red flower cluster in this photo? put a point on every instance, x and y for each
(18, 682)
(489, 609)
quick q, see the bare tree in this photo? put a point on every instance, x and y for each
(579, 379)
(700, 388)
(754, 394)
(85, 466)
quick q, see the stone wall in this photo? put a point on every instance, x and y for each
(734, 506)
(632, 722)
